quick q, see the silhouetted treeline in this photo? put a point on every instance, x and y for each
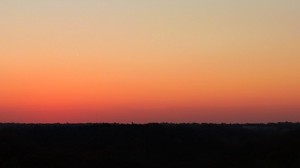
(150, 145)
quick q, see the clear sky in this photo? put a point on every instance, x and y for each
(149, 60)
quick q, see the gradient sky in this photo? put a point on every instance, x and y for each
(149, 61)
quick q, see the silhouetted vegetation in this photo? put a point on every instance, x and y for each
(150, 145)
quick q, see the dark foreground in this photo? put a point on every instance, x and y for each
(150, 145)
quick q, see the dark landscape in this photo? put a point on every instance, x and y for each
(150, 145)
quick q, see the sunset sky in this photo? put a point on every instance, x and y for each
(149, 61)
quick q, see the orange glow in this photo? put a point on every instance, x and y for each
(149, 61)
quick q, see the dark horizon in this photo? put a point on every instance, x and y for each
(150, 145)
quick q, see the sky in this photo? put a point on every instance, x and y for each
(143, 61)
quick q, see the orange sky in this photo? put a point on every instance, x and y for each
(149, 61)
